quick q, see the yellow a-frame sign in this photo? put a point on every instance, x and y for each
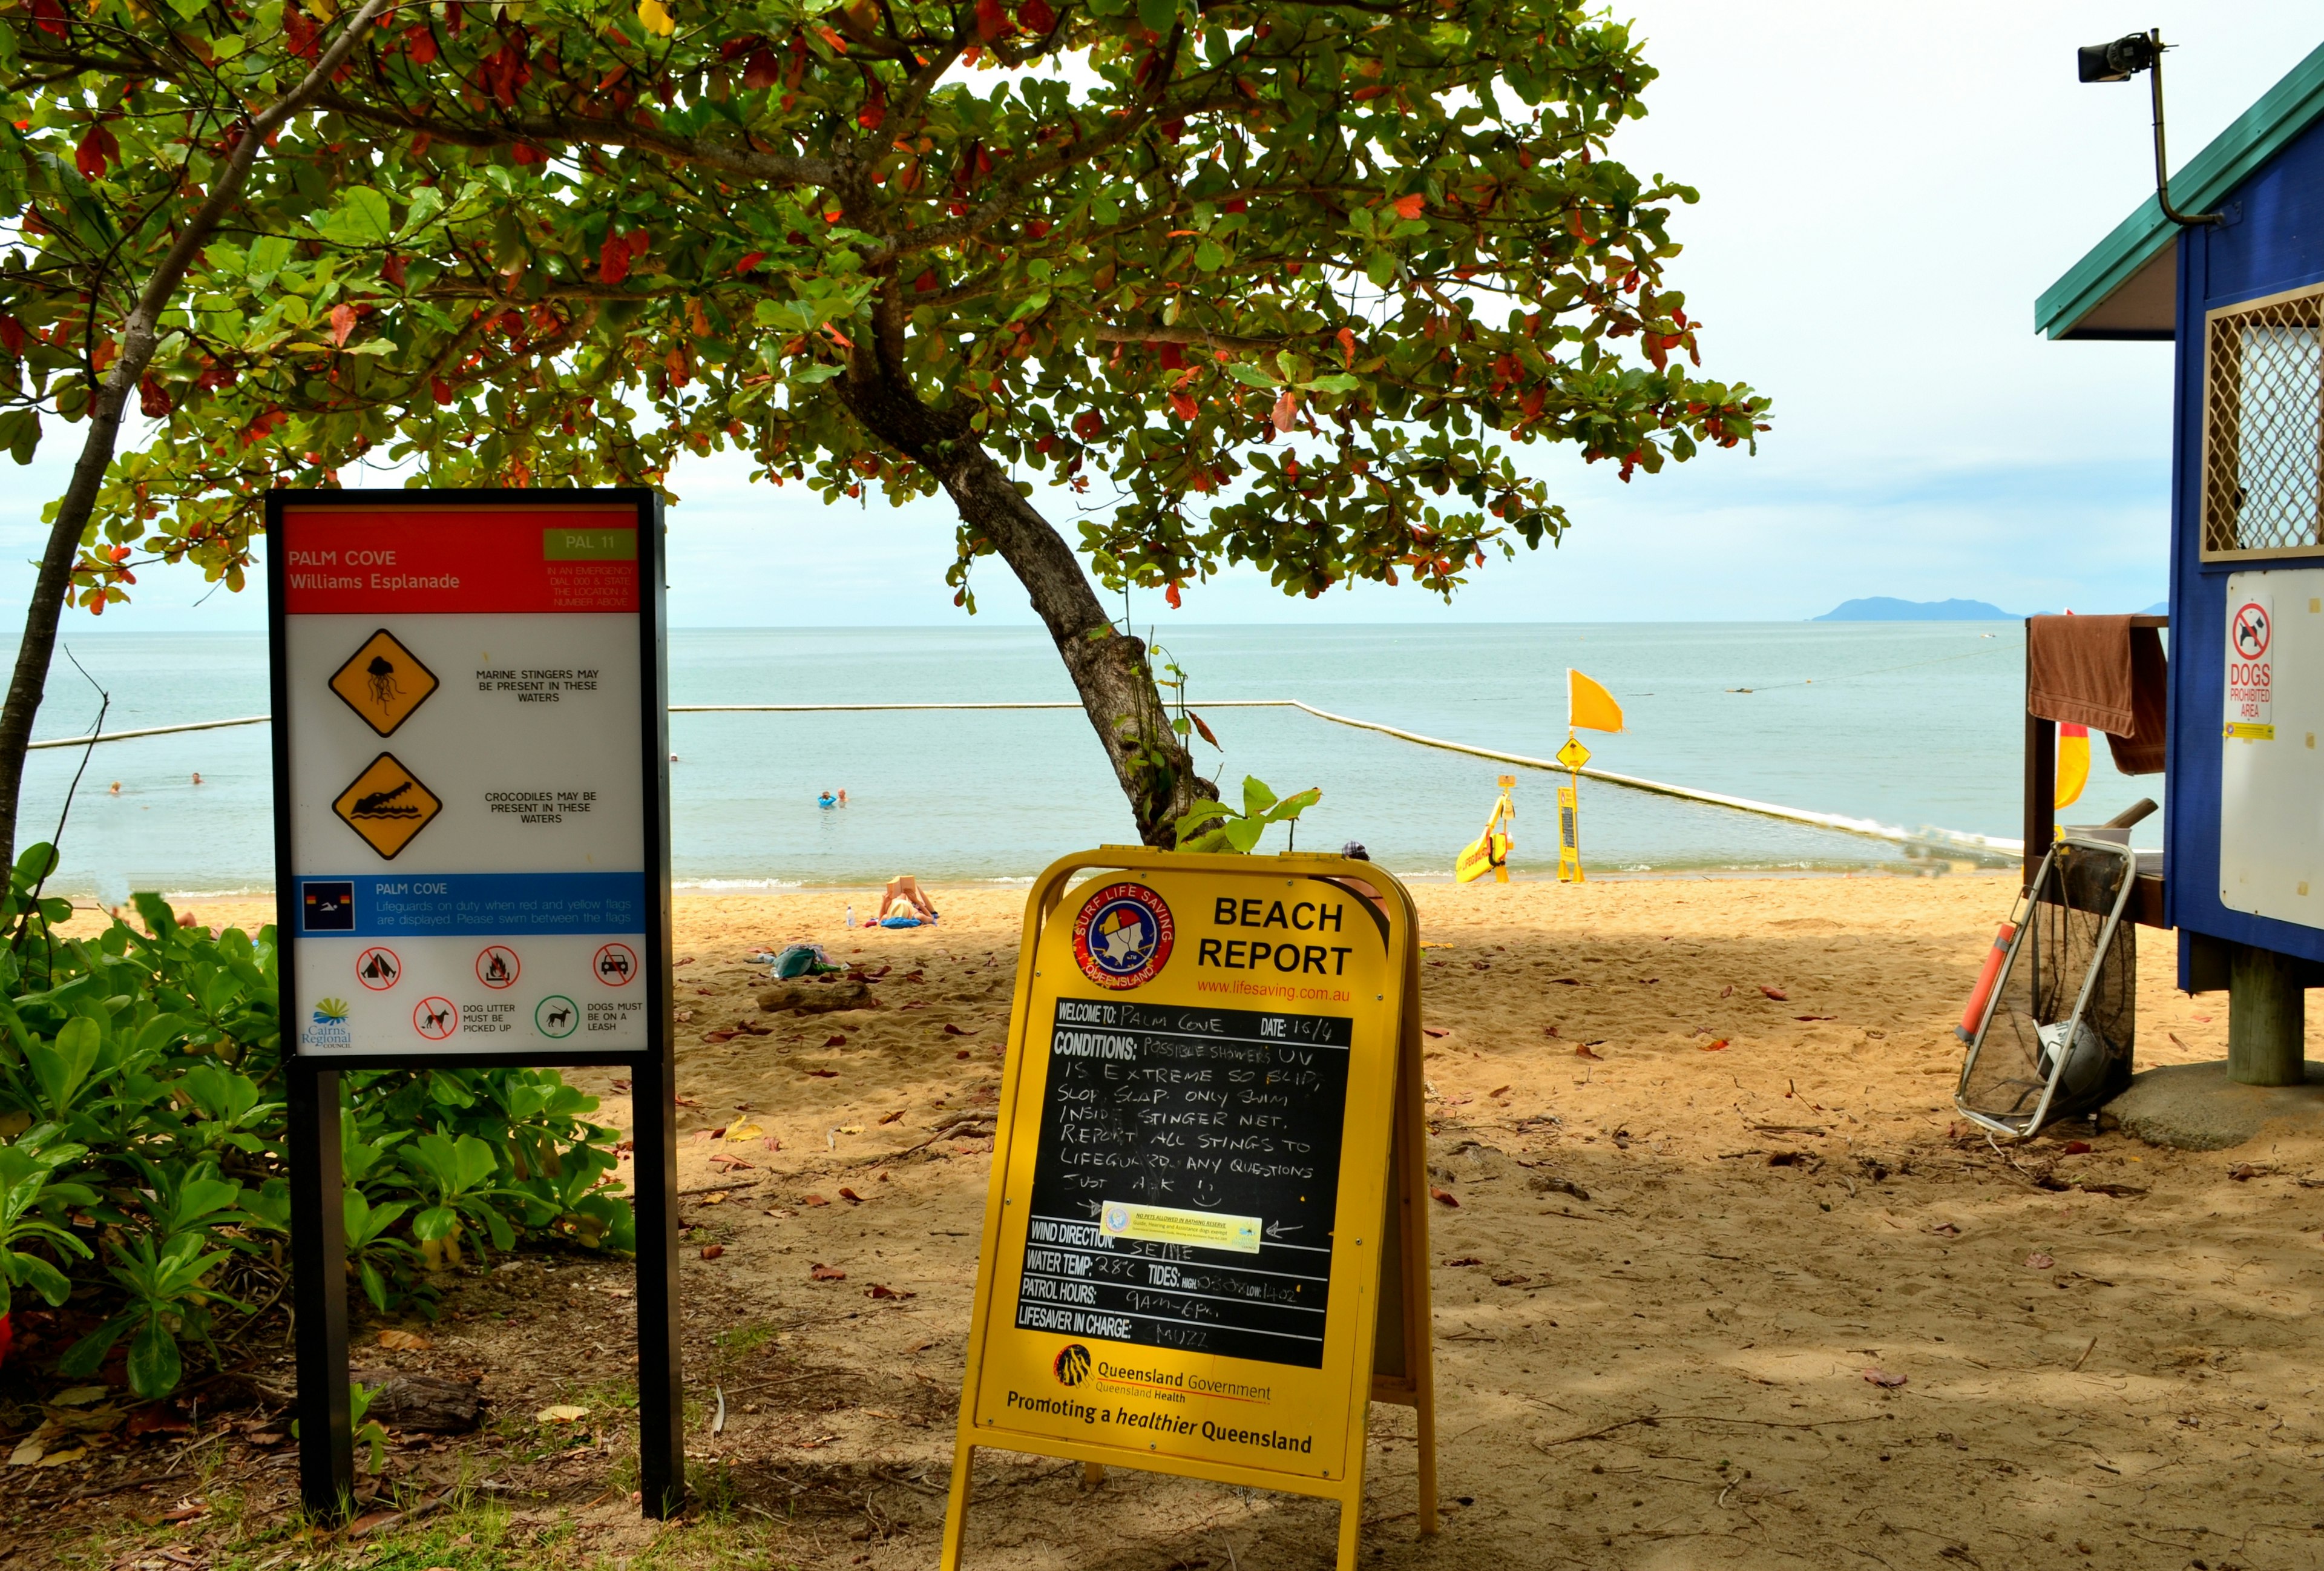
(1205, 1242)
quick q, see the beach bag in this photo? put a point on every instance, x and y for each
(2060, 1024)
(804, 960)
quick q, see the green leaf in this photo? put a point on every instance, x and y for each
(1381, 268)
(20, 433)
(1158, 15)
(154, 1367)
(1244, 833)
(61, 1067)
(436, 1221)
(1251, 375)
(1256, 797)
(361, 218)
(1209, 257)
(1337, 381)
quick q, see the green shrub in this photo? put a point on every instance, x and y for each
(141, 1174)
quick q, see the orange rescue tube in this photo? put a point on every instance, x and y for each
(1974, 1015)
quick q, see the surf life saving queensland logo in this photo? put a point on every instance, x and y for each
(1123, 935)
(329, 1028)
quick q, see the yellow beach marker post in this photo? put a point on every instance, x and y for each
(1205, 1242)
(1572, 755)
(1489, 852)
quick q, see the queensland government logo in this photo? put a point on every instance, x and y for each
(1073, 1365)
(1123, 935)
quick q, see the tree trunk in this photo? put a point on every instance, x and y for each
(1109, 666)
(139, 335)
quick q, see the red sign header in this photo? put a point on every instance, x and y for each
(465, 561)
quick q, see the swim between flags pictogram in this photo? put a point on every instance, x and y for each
(387, 806)
(383, 682)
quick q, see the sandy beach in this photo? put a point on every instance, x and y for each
(1707, 1185)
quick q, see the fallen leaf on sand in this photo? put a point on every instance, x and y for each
(2038, 1261)
(851, 1196)
(1815, 1017)
(892, 1117)
(813, 1200)
(686, 1101)
(1727, 991)
(1946, 1229)
(1500, 1091)
(1777, 994)
(743, 1132)
(712, 1251)
(1462, 1260)
(825, 1074)
(879, 1291)
(835, 1041)
(1567, 982)
(1882, 1377)
(1434, 1031)
(717, 1036)
(2074, 1147)
(823, 1274)
(1583, 1052)
(396, 1341)
(1517, 1279)
(560, 1414)
(962, 1054)
(952, 1031)
(183, 1513)
(1549, 1031)
(1717, 1046)
(715, 1197)
(2243, 1172)
(682, 1016)
(1442, 1197)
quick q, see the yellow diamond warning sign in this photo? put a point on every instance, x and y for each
(1572, 755)
(387, 806)
(383, 682)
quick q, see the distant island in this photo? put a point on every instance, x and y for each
(1882, 608)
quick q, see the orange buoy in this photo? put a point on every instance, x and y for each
(1974, 1015)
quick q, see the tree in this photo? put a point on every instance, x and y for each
(1274, 273)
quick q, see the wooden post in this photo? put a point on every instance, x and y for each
(2041, 780)
(318, 1278)
(2266, 1017)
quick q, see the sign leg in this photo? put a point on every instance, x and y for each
(319, 1276)
(955, 1530)
(1351, 1525)
(662, 1390)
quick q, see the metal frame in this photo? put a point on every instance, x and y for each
(2040, 1114)
(317, 1229)
(2201, 522)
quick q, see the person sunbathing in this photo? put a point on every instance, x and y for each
(904, 904)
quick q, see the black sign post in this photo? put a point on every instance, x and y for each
(471, 854)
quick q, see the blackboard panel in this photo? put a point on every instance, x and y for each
(1158, 1119)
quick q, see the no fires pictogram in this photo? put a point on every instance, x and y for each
(383, 682)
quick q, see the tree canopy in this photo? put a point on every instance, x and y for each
(1277, 284)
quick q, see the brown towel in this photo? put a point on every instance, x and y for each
(2101, 673)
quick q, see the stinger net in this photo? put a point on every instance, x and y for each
(2049, 1050)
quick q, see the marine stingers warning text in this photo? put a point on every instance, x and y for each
(1288, 954)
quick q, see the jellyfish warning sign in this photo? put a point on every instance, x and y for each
(489, 881)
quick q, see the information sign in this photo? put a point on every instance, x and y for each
(2251, 667)
(472, 850)
(1202, 1216)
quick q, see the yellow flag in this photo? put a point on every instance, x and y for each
(1588, 705)
(2073, 763)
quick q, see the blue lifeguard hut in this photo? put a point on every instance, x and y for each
(2227, 261)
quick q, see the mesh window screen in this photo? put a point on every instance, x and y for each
(2037, 1058)
(2263, 427)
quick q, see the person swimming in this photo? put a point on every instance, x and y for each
(827, 800)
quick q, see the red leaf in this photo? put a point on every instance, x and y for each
(1088, 425)
(11, 335)
(393, 270)
(49, 16)
(419, 43)
(836, 1039)
(1174, 357)
(613, 258)
(952, 1031)
(343, 324)
(1777, 994)
(1347, 347)
(879, 1291)
(441, 388)
(1037, 228)
(851, 1196)
(1410, 207)
(1715, 1047)
(823, 1274)
(1443, 1196)
(1202, 730)
(1286, 411)
(825, 1074)
(1036, 15)
(992, 21)
(813, 1200)
(1237, 205)
(926, 282)
(875, 110)
(712, 1251)
(750, 260)
(762, 70)
(1170, 596)
(1882, 1377)
(300, 31)
(2074, 1147)
(1583, 1052)
(1184, 405)
(97, 149)
(153, 398)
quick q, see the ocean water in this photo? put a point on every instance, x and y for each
(1911, 725)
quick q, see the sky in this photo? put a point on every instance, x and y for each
(1885, 190)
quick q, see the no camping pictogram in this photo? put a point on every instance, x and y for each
(383, 682)
(387, 805)
(378, 968)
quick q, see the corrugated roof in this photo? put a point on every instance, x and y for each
(2145, 237)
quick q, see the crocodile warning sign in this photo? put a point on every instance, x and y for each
(387, 806)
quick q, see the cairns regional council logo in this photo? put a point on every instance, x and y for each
(1123, 935)
(1073, 1365)
(329, 1029)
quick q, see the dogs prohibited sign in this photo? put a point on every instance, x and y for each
(1204, 1248)
(472, 846)
(503, 842)
(2251, 667)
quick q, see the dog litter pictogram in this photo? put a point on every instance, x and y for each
(556, 1016)
(383, 682)
(436, 1018)
(378, 969)
(387, 806)
(498, 967)
(616, 964)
